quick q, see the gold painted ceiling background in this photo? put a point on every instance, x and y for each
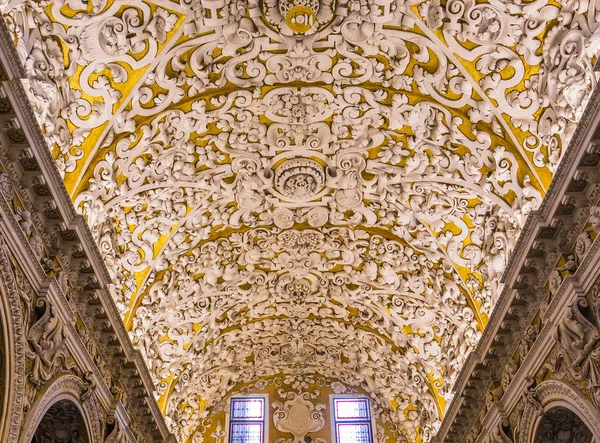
(295, 186)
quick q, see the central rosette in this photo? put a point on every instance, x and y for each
(300, 179)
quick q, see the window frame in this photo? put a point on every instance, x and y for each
(334, 421)
(265, 420)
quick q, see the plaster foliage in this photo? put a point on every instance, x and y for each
(332, 187)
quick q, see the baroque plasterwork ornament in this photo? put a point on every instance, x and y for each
(43, 332)
(293, 274)
(299, 179)
(116, 434)
(45, 338)
(357, 168)
(577, 336)
(298, 17)
(31, 238)
(298, 415)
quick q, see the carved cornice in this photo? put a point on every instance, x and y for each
(11, 63)
(573, 286)
(531, 295)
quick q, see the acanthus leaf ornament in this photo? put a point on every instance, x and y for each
(45, 339)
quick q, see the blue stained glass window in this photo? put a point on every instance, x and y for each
(246, 433)
(352, 418)
(352, 408)
(353, 433)
(247, 408)
(247, 420)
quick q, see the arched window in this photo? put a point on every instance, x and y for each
(62, 423)
(561, 425)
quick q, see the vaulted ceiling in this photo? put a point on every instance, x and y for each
(289, 186)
